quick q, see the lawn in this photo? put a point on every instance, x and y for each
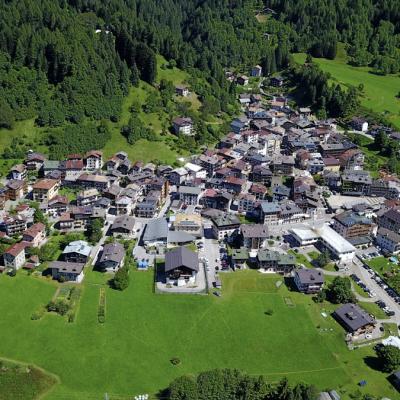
(301, 259)
(373, 309)
(131, 352)
(381, 265)
(380, 91)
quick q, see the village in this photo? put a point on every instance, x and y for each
(282, 193)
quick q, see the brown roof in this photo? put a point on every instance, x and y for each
(15, 184)
(93, 178)
(45, 184)
(34, 230)
(16, 248)
(74, 164)
(94, 153)
(19, 168)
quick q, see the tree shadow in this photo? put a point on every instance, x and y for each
(373, 362)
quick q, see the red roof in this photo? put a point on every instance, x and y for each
(16, 249)
(34, 230)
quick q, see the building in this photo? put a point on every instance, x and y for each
(388, 240)
(182, 91)
(269, 213)
(274, 261)
(94, 160)
(356, 182)
(112, 257)
(181, 266)
(254, 235)
(183, 126)
(96, 181)
(124, 205)
(77, 252)
(239, 257)
(224, 226)
(390, 220)
(45, 189)
(34, 161)
(277, 81)
(155, 233)
(189, 223)
(147, 208)
(15, 190)
(35, 234)
(123, 226)
(242, 80)
(67, 271)
(18, 172)
(87, 197)
(354, 319)
(13, 225)
(189, 195)
(308, 280)
(359, 124)
(350, 225)
(14, 256)
(256, 71)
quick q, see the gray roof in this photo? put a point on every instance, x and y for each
(79, 246)
(181, 257)
(112, 252)
(124, 222)
(180, 237)
(67, 267)
(310, 276)
(352, 317)
(156, 229)
(189, 190)
(254, 230)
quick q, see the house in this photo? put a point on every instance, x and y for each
(14, 256)
(239, 124)
(57, 205)
(254, 235)
(189, 195)
(282, 164)
(15, 189)
(147, 208)
(181, 266)
(356, 182)
(390, 219)
(94, 160)
(183, 126)
(96, 181)
(124, 205)
(331, 164)
(256, 71)
(87, 197)
(35, 234)
(359, 124)
(224, 226)
(71, 169)
(123, 226)
(182, 90)
(308, 281)
(217, 199)
(18, 172)
(189, 223)
(155, 233)
(67, 271)
(388, 240)
(34, 161)
(276, 81)
(274, 261)
(45, 189)
(242, 80)
(112, 257)
(354, 319)
(77, 251)
(239, 257)
(270, 213)
(246, 203)
(258, 190)
(178, 176)
(13, 225)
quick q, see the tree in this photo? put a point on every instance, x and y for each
(183, 388)
(389, 357)
(339, 291)
(323, 259)
(7, 118)
(121, 279)
(94, 230)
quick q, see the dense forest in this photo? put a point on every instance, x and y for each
(369, 28)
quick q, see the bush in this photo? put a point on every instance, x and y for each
(121, 279)
(175, 361)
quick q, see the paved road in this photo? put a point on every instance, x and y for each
(211, 252)
(96, 249)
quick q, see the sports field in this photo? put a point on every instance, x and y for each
(131, 352)
(380, 91)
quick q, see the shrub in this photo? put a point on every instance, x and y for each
(175, 361)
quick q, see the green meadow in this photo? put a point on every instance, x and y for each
(257, 326)
(380, 92)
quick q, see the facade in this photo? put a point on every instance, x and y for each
(189, 195)
(183, 126)
(35, 234)
(224, 226)
(77, 252)
(94, 160)
(308, 281)
(112, 257)
(388, 240)
(350, 224)
(254, 235)
(45, 189)
(14, 256)
(276, 262)
(356, 182)
(123, 226)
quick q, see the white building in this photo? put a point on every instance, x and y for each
(183, 126)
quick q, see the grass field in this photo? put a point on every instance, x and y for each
(380, 91)
(381, 265)
(131, 352)
(373, 309)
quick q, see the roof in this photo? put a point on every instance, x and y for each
(183, 121)
(34, 230)
(226, 220)
(78, 246)
(339, 243)
(309, 276)
(181, 257)
(281, 259)
(156, 229)
(179, 237)
(16, 249)
(93, 178)
(123, 222)
(353, 317)
(240, 254)
(45, 184)
(67, 267)
(15, 184)
(388, 234)
(112, 252)
(189, 190)
(188, 219)
(254, 230)
(350, 218)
